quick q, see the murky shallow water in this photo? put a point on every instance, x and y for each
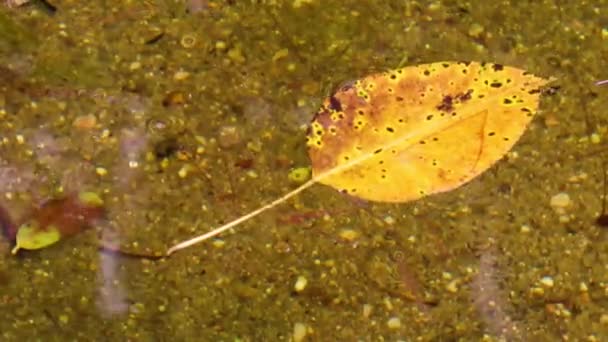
(184, 115)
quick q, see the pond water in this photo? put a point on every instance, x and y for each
(181, 115)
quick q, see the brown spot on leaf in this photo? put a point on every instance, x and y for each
(446, 104)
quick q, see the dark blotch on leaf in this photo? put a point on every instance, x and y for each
(446, 104)
(334, 104)
(497, 67)
(464, 97)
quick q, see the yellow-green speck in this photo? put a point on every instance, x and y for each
(299, 175)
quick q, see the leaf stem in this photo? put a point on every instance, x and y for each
(241, 219)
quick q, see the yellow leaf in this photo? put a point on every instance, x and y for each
(407, 133)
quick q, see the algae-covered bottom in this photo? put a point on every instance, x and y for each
(183, 115)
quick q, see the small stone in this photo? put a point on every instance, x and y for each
(367, 310)
(236, 55)
(280, 54)
(394, 323)
(389, 220)
(300, 284)
(524, 229)
(537, 291)
(100, 171)
(561, 200)
(220, 45)
(164, 164)
(547, 281)
(475, 30)
(228, 136)
(595, 138)
(85, 122)
(300, 3)
(218, 243)
(134, 66)
(604, 319)
(252, 174)
(174, 98)
(300, 330)
(254, 146)
(349, 234)
(183, 171)
(181, 75)
(452, 286)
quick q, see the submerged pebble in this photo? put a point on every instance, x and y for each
(547, 281)
(348, 234)
(300, 284)
(300, 330)
(394, 323)
(85, 122)
(561, 200)
(228, 136)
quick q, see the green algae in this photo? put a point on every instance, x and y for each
(14, 36)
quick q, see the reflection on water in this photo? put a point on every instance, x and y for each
(112, 293)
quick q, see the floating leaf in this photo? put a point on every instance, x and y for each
(31, 236)
(57, 219)
(403, 134)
